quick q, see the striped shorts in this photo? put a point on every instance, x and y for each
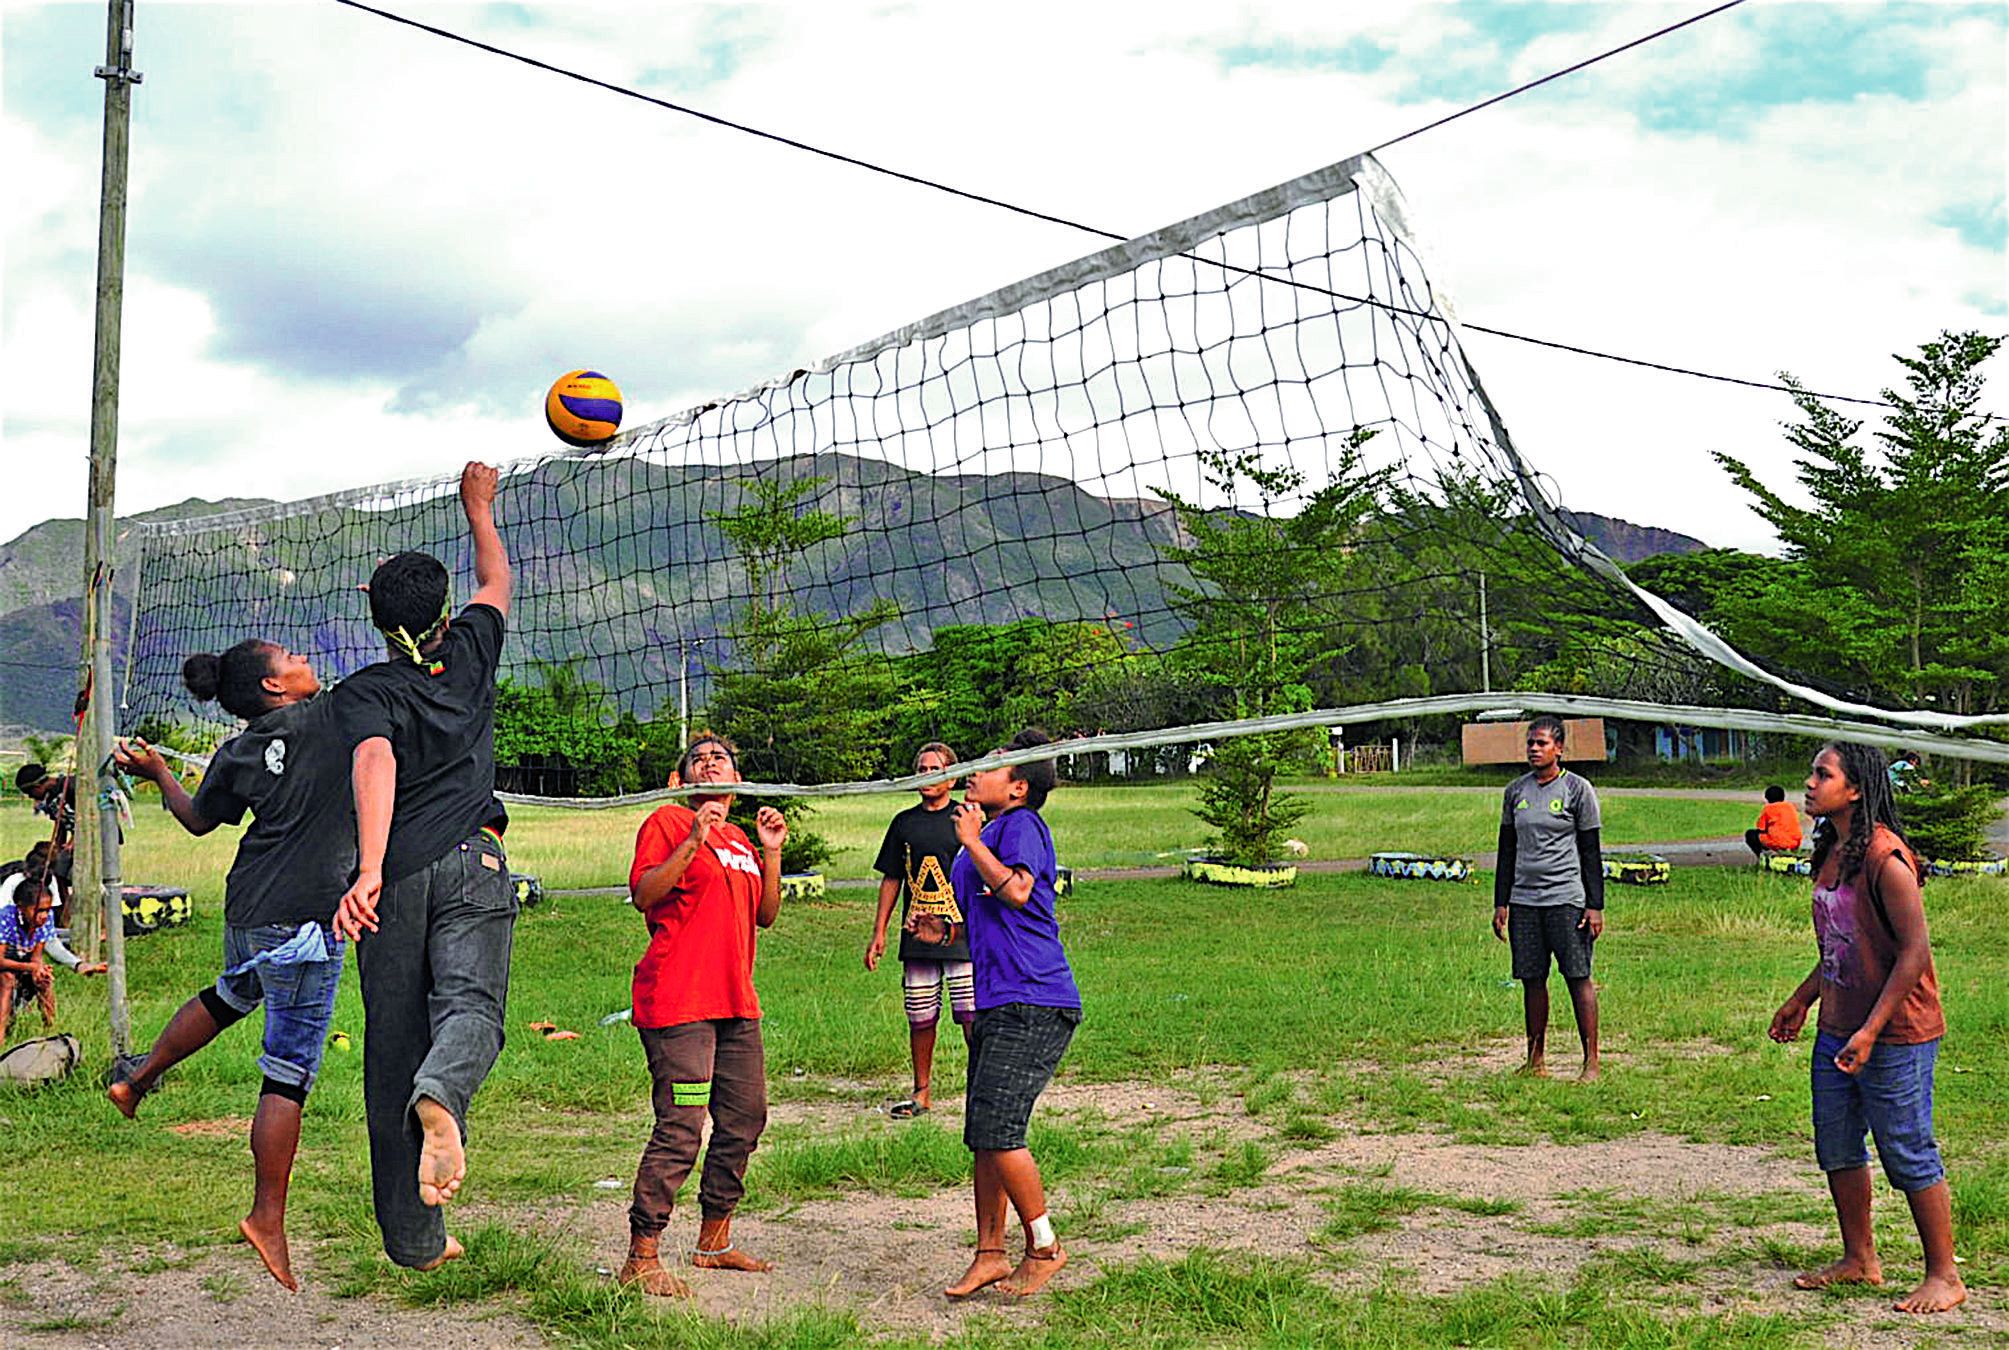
(923, 984)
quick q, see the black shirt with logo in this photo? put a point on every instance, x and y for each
(290, 769)
(920, 844)
(440, 721)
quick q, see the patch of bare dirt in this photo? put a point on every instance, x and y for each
(228, 1127)
(224, 1297)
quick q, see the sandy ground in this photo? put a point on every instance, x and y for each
(885, 1258)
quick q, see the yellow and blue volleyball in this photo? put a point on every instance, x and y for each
(583, 408)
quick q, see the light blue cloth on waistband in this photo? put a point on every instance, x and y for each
(310, 944)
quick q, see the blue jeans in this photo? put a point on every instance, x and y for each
(299, 1000)
(435, 984)
(1891, 1099)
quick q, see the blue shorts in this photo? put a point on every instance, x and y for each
(1891, 1098)
(299, 1000)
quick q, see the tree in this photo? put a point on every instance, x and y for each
(1893, 583)
(1268, 601)
(802, 702)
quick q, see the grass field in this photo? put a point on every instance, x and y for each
(1286, 1120)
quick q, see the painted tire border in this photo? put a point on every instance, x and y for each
(148, 909)
(1419, 867)
(1638, 869)
(1218, 873)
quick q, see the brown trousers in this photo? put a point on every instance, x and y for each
(717, 1067)
(14, 984)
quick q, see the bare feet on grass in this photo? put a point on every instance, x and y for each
(1534, 1068)
(454, 1251)
(1590, 1071)
(986, 1269)
(1938, 1294)
(1848, 1270)
(269, 1241)
(442, 1159)
(126, 1097)
(1039, 1266)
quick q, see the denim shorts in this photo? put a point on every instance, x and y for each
(299, 1000)
(1891, 1098)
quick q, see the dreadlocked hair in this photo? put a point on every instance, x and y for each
(408, 600)
(1865, 769)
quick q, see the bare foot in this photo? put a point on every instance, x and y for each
(1848, 1270)
(648, 1272)
(1534, 1068)
(1590, 1072)
(454, 1251)
(986, 1269)
(1037, 1268)
(442, 1160)
(1937, 1294)
(126, 1097)
(270, 1244)
(732, 1258)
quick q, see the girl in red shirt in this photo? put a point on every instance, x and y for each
(705, 893)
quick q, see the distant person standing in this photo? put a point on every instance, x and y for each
(1778, 827)
(913, 866)
(1548, 890)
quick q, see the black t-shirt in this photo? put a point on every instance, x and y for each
(440, 721)
(920, 844)
(290, 769)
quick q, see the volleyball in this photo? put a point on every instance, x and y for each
(583, 408)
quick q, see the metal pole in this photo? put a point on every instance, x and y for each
(97, 825)
(683, 695)
(1485, 642)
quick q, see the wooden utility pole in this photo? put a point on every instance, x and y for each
(96, 876)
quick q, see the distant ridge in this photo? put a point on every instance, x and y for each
(1622, 541)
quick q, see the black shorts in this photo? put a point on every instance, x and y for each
(1536, 931)
(1014, 1050)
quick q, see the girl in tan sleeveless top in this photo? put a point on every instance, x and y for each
(1879, 1027)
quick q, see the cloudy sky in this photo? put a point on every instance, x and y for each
(357, 252)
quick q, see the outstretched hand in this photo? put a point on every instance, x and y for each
(140, 759)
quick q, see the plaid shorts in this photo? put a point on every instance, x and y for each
(1014, 1050)
(1534, 931)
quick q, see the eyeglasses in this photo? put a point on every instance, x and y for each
(711, 757)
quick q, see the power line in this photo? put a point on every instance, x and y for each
(1115, 237)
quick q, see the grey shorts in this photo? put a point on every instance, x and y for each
(1014, 1050)
(1534, 932)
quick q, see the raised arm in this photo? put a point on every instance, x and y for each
(492, 580)
(144, 761)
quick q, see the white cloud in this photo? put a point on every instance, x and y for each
(478, 227)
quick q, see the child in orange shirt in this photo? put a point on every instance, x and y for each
(1778, 825)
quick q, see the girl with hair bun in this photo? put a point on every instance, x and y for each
(289, 768)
